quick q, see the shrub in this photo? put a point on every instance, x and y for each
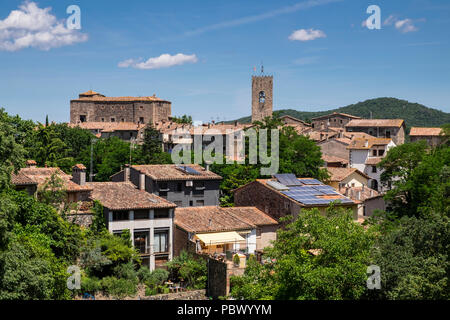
(143, 274)
(190, 269)
(157, 277)
(90, 285)
(125, 271)
(118, 287)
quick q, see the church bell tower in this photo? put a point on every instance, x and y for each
(262, 96)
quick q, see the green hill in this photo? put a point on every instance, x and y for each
(414, 114)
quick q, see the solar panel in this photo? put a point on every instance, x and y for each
(325, 189)
(310, 181)
(288, 179)
(188, 170)
(276, 185)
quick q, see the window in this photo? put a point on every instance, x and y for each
(163, 188)
(262, 97)
(374, 169)
(120, 215)
(380, 152)
(388, 134)
(142, 241)
(113, 119)
(141, 214)
(374, 184)
(374, 153)
(179, 187)
(199, 188)
(82, 118)
(103, 119)
(200, 203)
(340, 121)
(141, 119)
(161, 213)
(123, 120)
(258, 232)
(161, 238)
(191, 203)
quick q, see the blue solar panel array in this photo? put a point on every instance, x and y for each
(188, 170)
(308, 192)
(288, 179)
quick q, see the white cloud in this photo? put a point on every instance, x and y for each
(306, 35)
(163, 61)
(405, 26)
(31, 26)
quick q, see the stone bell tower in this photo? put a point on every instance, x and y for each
(262, 96)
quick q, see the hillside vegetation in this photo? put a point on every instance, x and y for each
(415, 115)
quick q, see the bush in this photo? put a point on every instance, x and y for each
(126, 271)
(158, 277)
(186, 267)
(236, 259)
(118, 287)
(143, 274)
(90, 285)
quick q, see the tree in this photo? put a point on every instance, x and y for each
(314, 257)
(413, 258)
(52, 191)
(419, 179)
(151, 149)
(183, 119)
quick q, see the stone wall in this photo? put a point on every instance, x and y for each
(185, 295)
(264, 84)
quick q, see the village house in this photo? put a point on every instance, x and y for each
(333, 120)
(353, 184)
(149, 219)
(32, 178)
(381, 128)
(185, 185)
(433, 136)
(365, 154)
(127, 131)
(217, 231)
(287, 195)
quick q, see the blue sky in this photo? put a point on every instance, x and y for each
(219, 43)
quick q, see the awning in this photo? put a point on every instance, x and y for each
(219, 238)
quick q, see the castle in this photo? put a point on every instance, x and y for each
(95, 107)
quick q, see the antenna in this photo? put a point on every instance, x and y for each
(262, 67)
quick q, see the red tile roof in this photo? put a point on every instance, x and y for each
(420, 131)
(216, 219)
(125, 196)
(167, 172)
(361, 143)
(375, 123)
(339, 174)
(336, 114)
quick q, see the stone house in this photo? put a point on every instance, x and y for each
(149, 219)
(333, 120)
(433, 136)
(287, 195)
(216, 230)
(381, 128)
(32, 177)
(92, 106)
(185, 185)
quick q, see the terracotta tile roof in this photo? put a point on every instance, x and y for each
(339, 174)
(80, 166)
(94, 96)
(321, 135)
(109, 126)
(361, 143)
(167, 172)
(373, 160)
(40, 176)
(125, 196)
(215, 219)
(351, 135)
(335, 114)
(375, 123)
(420, 131)
(31, 163)
(295, 119)
(333, 159)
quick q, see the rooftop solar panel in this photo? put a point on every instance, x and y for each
(288, 179)
(187, 169)
(310, 181)
(276, 185)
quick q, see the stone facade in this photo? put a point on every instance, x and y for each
(334, 120)
(94, 107)
(262, 97)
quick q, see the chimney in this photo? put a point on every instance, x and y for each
(235, 123)
(207, 167)
(79, 174)
(358, 195)
(142, 181)
(31, 164)
(126, 173)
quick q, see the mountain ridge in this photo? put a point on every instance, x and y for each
(414, 114)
